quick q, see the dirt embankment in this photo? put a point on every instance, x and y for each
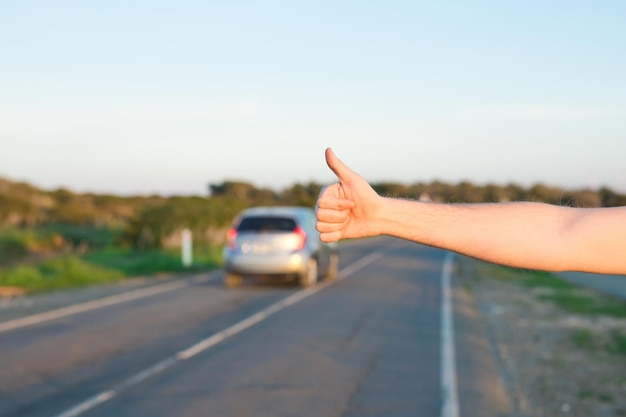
(555, 362)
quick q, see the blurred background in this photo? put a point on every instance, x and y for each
(123, 123)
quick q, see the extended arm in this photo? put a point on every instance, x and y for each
(528, 235)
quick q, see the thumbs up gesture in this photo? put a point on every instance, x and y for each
(349, 208)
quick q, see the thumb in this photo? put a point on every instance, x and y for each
(343, 173)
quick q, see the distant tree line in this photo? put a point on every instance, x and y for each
(467, 192)
(155, 221)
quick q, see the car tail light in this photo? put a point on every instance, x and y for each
(301, 236)
(231, 237)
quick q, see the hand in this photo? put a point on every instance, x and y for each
(349, 208)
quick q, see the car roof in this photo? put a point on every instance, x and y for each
(276, 211)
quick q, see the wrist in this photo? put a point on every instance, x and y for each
(404, 218)
(385, 218)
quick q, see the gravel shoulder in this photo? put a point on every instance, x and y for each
(558, 356)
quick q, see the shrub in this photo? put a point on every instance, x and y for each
(26, 277)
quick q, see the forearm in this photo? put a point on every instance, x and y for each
(528, 235)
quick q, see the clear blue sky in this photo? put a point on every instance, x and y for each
(162, 96)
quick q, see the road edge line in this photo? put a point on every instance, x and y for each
(98, 303)
(449, 390)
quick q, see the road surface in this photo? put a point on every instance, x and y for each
(373, 343)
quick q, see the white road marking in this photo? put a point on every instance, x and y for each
(449, 395)
(89, 404)
(100, 303)
(218, 337)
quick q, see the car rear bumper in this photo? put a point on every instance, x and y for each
(292, 263)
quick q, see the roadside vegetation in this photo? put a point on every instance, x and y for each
(574, 300)
(59, 239)
(568, 297)
(571, 299)
(562, 346)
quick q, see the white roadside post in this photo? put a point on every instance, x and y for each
(187, 248)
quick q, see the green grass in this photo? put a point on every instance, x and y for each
(542, 279)
(587, 304)
(592, 342)
(572, 299)
(567, 296)
(59, 273)
(585, 339)
(148, 262)
(618, 342)
(104, 266)
(589, 394)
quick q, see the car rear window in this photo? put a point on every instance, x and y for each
(266, 224)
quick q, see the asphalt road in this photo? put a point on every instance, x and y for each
(370, 344)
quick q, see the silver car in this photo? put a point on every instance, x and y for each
(278, 242)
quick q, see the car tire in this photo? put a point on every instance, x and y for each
(333, 267)
(232, 280)
(309, 276)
